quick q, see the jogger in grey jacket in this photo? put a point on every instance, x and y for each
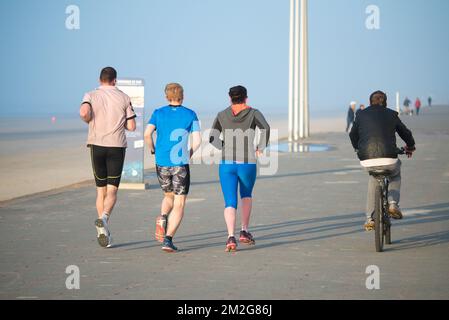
(238, 167)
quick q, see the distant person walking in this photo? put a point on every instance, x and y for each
(417, 106)
(429, 101)
(350, 117)
(407, 103)
(238, 168)
(361, 108)
(109, 112)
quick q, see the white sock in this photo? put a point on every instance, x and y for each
(105, 216)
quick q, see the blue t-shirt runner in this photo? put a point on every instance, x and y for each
(173, 126)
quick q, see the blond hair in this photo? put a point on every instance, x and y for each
(174, 92)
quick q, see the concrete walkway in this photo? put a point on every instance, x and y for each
(307, 220)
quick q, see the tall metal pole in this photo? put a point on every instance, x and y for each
(290, 72)
(296, 75)
(303, 113)
(306, 68)
(298, 96)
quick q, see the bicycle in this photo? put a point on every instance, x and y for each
(382, 222)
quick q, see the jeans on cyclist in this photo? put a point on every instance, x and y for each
(393, 187)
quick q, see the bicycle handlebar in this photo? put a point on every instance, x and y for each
(399, 151)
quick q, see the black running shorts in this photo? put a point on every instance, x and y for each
(107, 164)
(174, 179)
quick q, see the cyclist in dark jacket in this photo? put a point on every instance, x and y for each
(373, 136)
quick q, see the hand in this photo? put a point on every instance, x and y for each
(409, 151)
(258, 153)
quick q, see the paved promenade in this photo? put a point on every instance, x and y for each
(307, 221)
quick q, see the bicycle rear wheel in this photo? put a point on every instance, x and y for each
(378, 220)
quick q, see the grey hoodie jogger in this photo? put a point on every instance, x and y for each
(238, 134)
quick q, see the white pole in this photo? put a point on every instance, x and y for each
(398, 109)
(301, 74)
(306, 69)
(296, 75)
(290, 72)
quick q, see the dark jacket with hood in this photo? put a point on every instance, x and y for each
(374, 133)
(238, 132)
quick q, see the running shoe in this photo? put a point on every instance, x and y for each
(161, 228)
(109, 242)
(394, 211)
(369, 224)
(103, 235)
(231, 244)
(168, 245)
(246, 237)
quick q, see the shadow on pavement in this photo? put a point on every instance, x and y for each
(312, 229)
(421, 241)
(406, 243)
(128, 244)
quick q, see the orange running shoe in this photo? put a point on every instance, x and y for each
(231, 244)
(246, 237)
(161, 228)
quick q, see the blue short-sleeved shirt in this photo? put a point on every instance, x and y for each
(173, 126)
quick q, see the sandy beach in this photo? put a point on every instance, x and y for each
(45, 155)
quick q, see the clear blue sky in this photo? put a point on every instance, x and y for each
(210, 45)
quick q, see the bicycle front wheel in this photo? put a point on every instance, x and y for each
(378, 220)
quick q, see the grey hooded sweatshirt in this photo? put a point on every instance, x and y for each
(238, 132)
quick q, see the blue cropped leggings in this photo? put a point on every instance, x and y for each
(233, 175)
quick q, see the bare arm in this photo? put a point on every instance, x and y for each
(148, 135)
(86, 112)
(130, 124)
(196, 142)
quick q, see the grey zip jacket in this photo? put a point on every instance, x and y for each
(238, 134)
